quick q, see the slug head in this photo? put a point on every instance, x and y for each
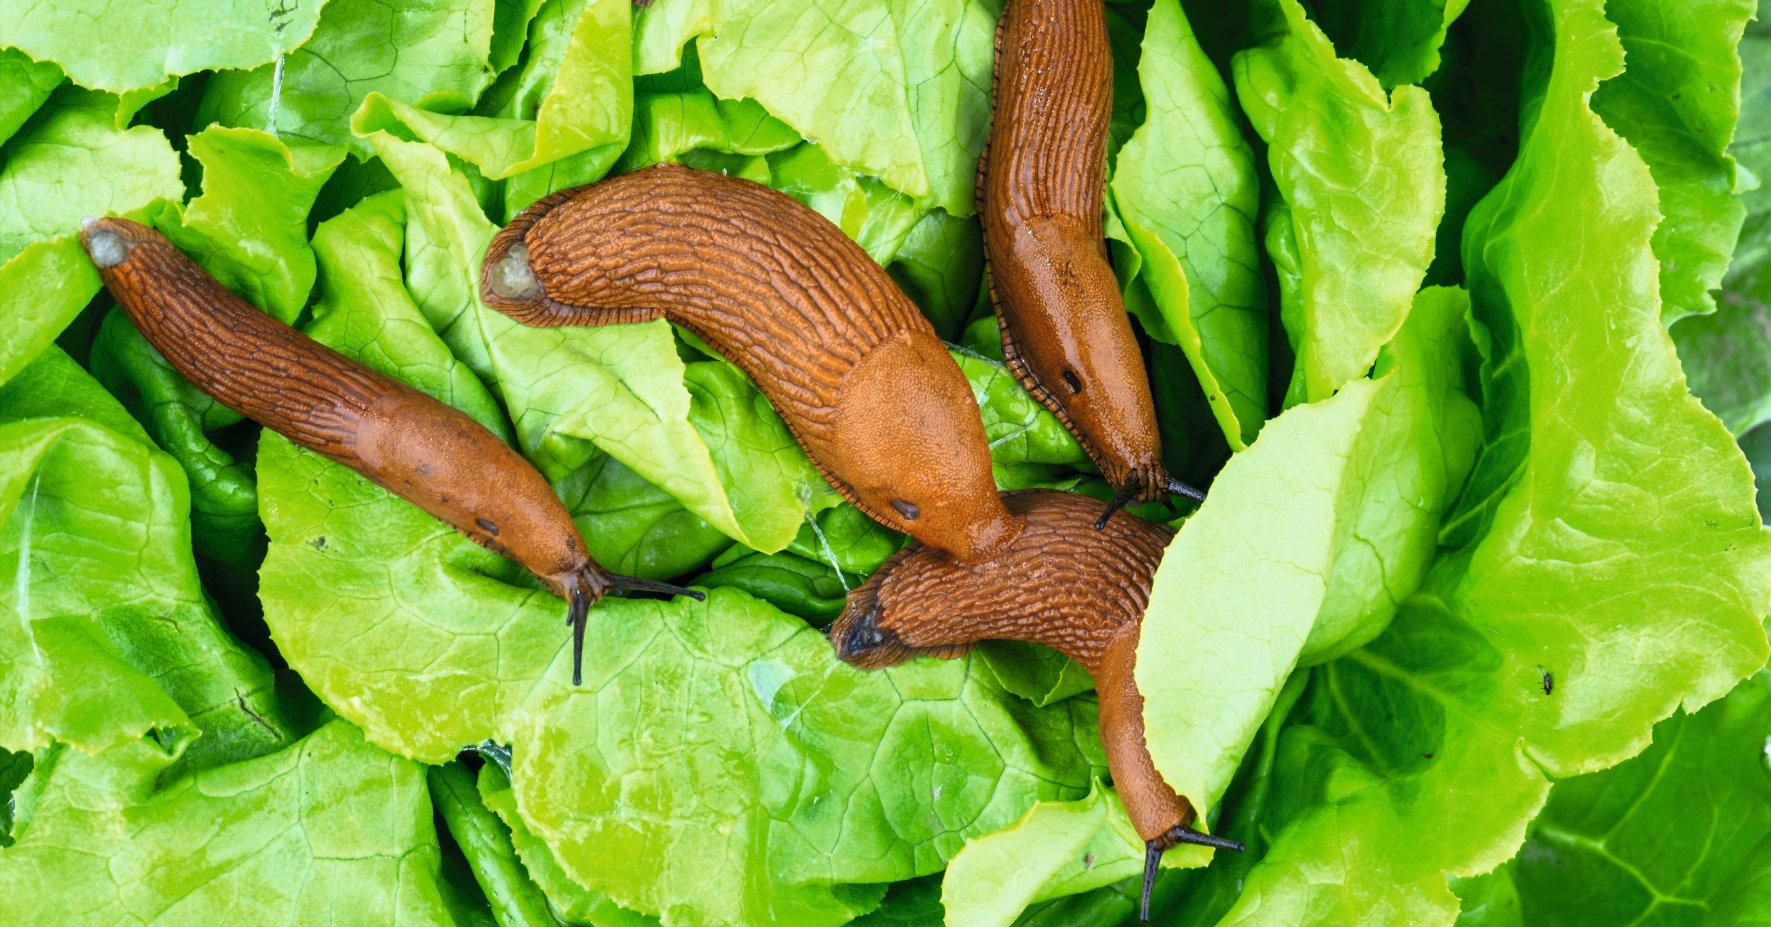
(909, 445)
(1070, 328)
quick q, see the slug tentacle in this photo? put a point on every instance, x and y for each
(1177, 488)
(855, 371)
(622, 583)
(578, 602)
(1153, 850)
(1152, 859)
(1129, 490)
(1134, 488)
(428, 453)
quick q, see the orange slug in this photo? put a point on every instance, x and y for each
(1081, 593)
(422, 450)
(853, 368)
(1065, 332)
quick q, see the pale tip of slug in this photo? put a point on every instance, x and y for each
(511, 276)
(86, 222)
(106, 248)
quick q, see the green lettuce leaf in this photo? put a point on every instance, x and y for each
(192, 427)
(113, 637)
(54, 386)
(1036, 673)
(818, 775)
(572, 102)
(910, 903)
(1399, 40)
(1027, 443)
(42, 290)
(1185, 191)
(1203, 896)
(1727, 354)
(24, 85)
(1362, 178)
(877, 217)
(1623, 846)
(364, 310)
(846, 540)
(1330, 522)
(1055, 849)
(922, 68)
(940, 265)
(485, 842)
(103, 50)
(675, 113)
(794, 584)
(249, 225)
(1676, 101)
(1428, 751)
(1608, 419)
(14, 769)
(1724, 354)
(435, 54)
(1752, 139)
(1210, 664)
(634, 527)
(327, 829)
(1488, 900)
(70, 163)
(1409, 462)
(574, 902)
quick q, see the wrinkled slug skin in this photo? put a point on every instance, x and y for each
(1041, 181)
(1079, 591)
(853, 368)
(432, 455)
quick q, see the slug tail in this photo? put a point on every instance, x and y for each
(506, 282)
(856, 635)
(1131, 489)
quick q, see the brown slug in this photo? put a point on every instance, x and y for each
(1079, 592)
(1041, 179)
(424, 451)
(853, 368)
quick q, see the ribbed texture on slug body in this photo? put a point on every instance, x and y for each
(423, 450)
(1061, 583)
(855, 371)
(705, 252)
(247, 360)
(1053, 96)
